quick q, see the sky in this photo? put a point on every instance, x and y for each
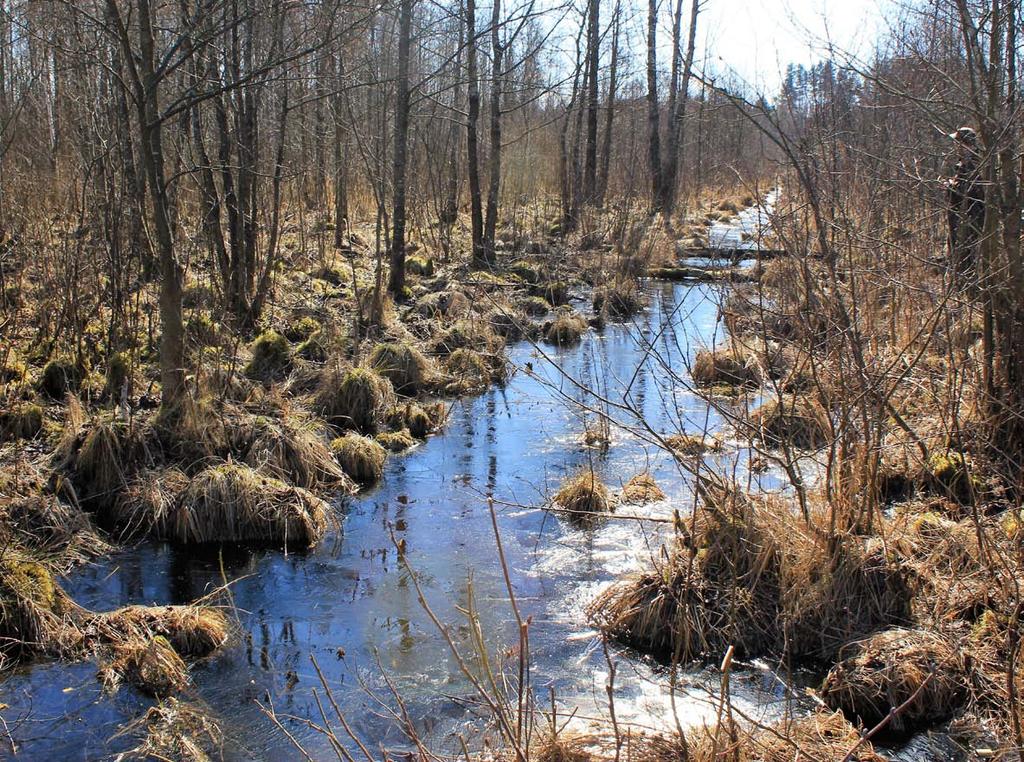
(756, 39)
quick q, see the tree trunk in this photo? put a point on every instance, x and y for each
(677, 113)
(396, 281)
(494, 164)
(593, 55)
(472, 136)
(653, 120)
(606, 149)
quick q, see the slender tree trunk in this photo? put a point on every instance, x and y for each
(396, 281)
(340, 164)
(653, 119)
(593, 56)
(677, 114)
(494, 164)
(606, 149)
(472, 135)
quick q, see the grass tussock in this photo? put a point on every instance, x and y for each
(361, 458)
(566, 329)
(145, 505)
(408, 369)
(619, 301)
(796, 420)
(21, 420)
(271, 357)
(723, 367)
(469, 333)
(294, 451)
(893, 667)
(34, 610)
(194, 631)
(750, 574)
(469, 372)
(688, 445)
(60, 377)
(583, 498)
(234, 503)
(356, 398)
(642, 489)
(151, 666)
(396, 441)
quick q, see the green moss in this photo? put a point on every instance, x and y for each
(60, 377)
(951, 474)
(555, 292)
(420, 266)
(30, 581)
(13, 368)
(301, 329)
(331, 275)
(271, 357)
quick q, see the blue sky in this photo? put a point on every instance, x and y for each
(755, 39)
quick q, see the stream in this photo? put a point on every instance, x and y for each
(350, 603)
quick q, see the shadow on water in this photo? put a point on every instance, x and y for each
(351, 605)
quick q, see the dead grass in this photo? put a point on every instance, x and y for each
(361, 458)
(408, 369)
(583, 498)
(355, 398)
(642, 489)
(892, 667)
(234, 503)
(151, 666)
(724, 367)
(566, 329)
(292, 449)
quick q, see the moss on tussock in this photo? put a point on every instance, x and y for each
(408, 369)
(301, 328)
(271, 357)
(355, 398)
(396, 441)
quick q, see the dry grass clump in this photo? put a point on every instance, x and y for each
(508, 322)
(152, 666)
(528, 272)
(408, 369)
(174, 730)
(820, 736)
(194, 631)
(360, 457)
(396, 441)
(43, 522)
(357, 398)
(554, 292)
(234, 503)
(796, 420)
(271, 357)
(21, 420)
(294, 452)
(469, 333)
(301, 328)
(34, 610)
(893, 667)
(619, 300)
(583, 498)
(752, 575)
(642, 489)
(689, 445)
(145, 505)
(723, 367)
(103, 458)
(566, 329)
